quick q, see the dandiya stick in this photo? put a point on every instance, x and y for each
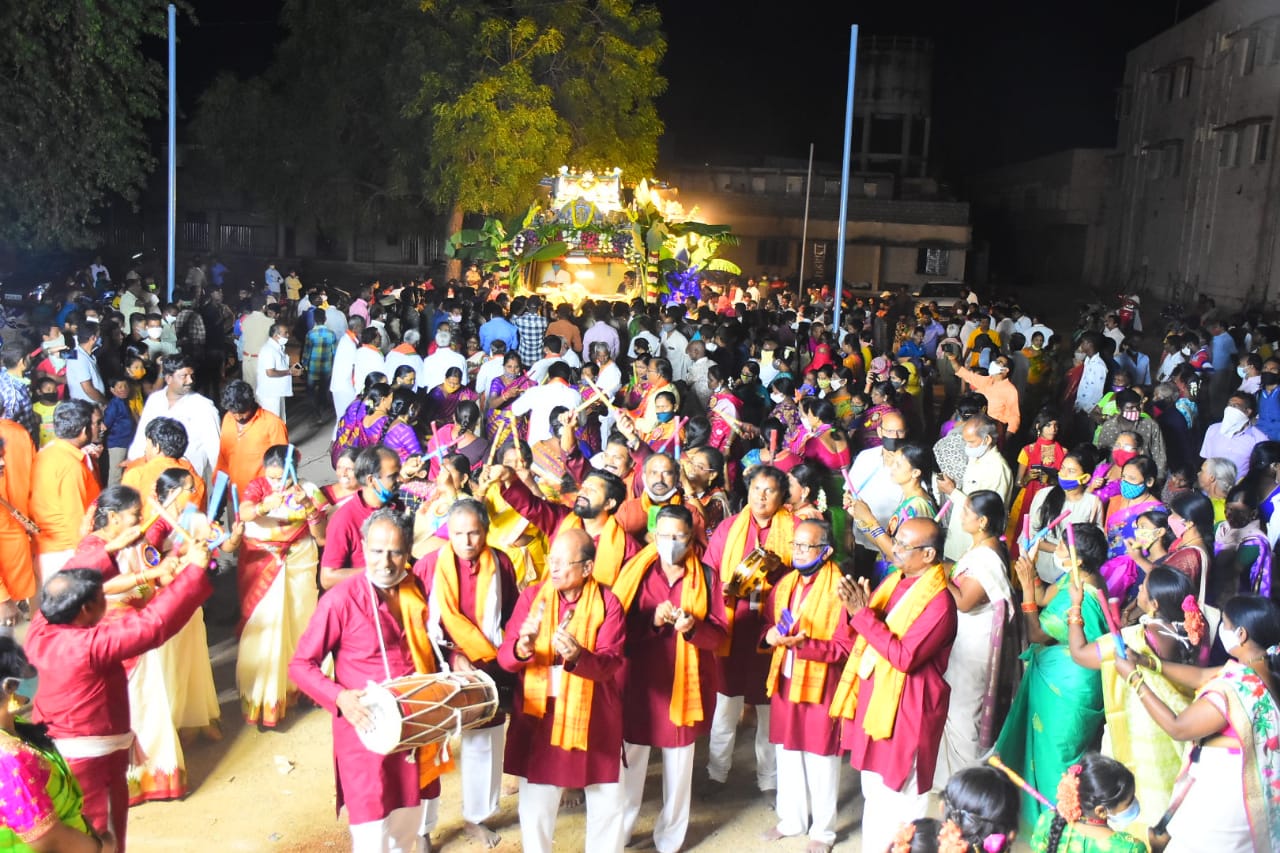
(1075, 563)
(497, 441)
(1111, 623)
(995, 762)
(942, 510)
(1049, 528)
(604, 398)
(235, 503)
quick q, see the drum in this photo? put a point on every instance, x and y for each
(750, 575)
(416, 710)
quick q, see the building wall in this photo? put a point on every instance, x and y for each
(1194, 193)
(1043, 219)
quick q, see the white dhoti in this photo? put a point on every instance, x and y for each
(724, 734)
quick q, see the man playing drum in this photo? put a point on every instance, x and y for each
(472, 590)
(566, 728)
(374, 624)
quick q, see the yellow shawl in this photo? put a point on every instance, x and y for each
(818, 618)
(611, 550)
(781, 532)
(433, 759)
(466, 634)
(572, 718)
(863, 660)
(686, 690)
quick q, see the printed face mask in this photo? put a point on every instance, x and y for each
(1130, 491)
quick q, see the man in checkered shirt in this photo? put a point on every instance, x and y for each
(532, 328)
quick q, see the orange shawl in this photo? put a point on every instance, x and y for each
(864, 661)
(611, 550)
(818, 617)
(781, 532)
(572, 717)
(686, 690)
(470, 638)
(433, 759)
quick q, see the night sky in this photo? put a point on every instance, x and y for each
(1013, 80)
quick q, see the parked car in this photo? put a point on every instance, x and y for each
(945, 293)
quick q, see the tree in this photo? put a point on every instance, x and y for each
(75, 93)
(377, 118)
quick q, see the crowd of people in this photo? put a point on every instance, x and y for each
(961, 551)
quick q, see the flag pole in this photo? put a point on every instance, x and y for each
(804, 228)
(844, 173)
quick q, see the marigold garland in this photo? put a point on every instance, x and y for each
(1069, 794)
(1193, 620)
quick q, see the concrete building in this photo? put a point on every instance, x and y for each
(892, 105)
(1193, 193)
(901, 232)
(1043, 219)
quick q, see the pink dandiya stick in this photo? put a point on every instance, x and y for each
(1112, 624)
(1026, 531)
(943, 509)
(995, 762)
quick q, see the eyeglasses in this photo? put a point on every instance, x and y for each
(553, 564)
(804, 546)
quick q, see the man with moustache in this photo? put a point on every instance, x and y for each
(869, 473)
(661, 488)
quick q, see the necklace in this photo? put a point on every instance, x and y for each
(1094, 821)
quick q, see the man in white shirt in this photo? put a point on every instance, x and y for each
(675, 345)
(986, 469)
(436, 365)
(1037, 325)
(1111, 329)
(406, 355)
(336, 320)
(553, 350)
(699, 364)
(369, 358)
(178, 400)
(539, 402)
(870, 476)
(342, 385)
(84, 382)
(275, 374)
(1094, 379)
(492, 368)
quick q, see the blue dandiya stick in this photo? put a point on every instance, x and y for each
(220, 482)
(235, 504)
(290, 470)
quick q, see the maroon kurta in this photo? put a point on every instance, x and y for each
(468, 571)
(529, 750)
(746, 668)
(91, 553)
(651, 662)
(547, 516)
(343, 548)
(371, 786)
(805, 726)
(84, 691)
(922, 653)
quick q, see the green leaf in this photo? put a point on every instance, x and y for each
(721, 265)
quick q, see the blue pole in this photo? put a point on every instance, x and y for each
(173, 144)
(844, 174)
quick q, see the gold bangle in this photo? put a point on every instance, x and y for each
(1158, 664)
(1135, 680)
(1075, 620)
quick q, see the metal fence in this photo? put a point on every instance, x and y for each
(247, 239)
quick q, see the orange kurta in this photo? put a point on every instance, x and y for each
(244, 446)
(62, 487)
(17, 570)
(141, 474)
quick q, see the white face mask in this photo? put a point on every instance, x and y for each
(1186, 351)
(154, 333)
(1230, 639)
(1233, 421)
(976, 452)
(776, 398)
(671, 552)
(1240, 371)
(168, 318)
(1079, 357)
(377, 579)
(1051, 574)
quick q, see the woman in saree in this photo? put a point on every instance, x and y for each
(1242, 560)
(404, 377)
(345, 486)
(1057, 712)
(882, 396)
(808, 501)
(825, 443)
(1190, 520)
(443, 400)
(40, 800)
(459, 437)
(502, 392)
(1109, 471)
(724, 411)
(782, 394)
(1038, 465)
(171, 688)
(1137, 479)
(1069, 494)
(910, 468)
(1171, 628)
(429, 520)
(401, 434)
(833, 386)
(1233, 801)
(363, 426)
(284, 527)
(979, 671)
(774, 450)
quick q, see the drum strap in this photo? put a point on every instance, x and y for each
(377, 627)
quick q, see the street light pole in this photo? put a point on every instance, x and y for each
(804, 228)
(844, 173)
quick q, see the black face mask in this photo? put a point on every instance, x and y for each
(892, 444)
(1271, 379)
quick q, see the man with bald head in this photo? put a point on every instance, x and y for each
(472, 591)
(870, 475)
(372, 622)
(566, 726)
(892, 696)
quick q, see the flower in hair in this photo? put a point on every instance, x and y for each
(902, 840)
(1069, 794)
(996, 842)
(951, 839)
(1193, 620)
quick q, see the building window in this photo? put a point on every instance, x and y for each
(1164, 159)
(1228, 149)
(772, 252)
(758, 185)
(1262, 141)
(795, 184)
(1183, 85)
(932, 261)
